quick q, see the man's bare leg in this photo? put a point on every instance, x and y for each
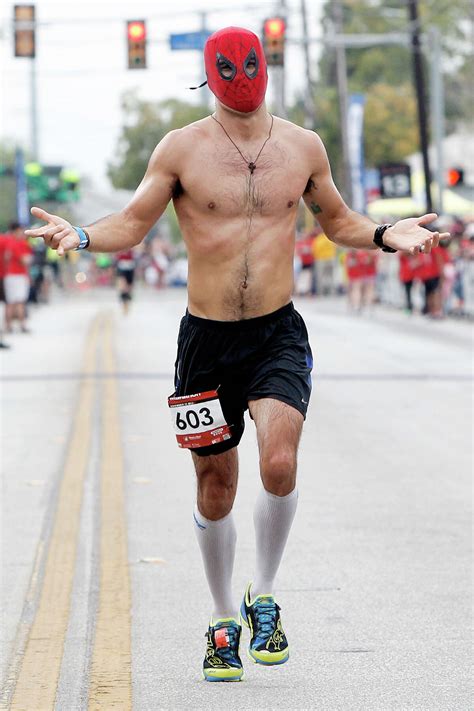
(214, 525)
(278, 433)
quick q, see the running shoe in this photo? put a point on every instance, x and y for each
(222, 661)
(268, 643)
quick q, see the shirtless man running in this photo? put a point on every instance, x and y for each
(236, 179)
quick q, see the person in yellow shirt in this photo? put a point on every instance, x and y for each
(324, 253)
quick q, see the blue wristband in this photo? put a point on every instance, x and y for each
(84, 238)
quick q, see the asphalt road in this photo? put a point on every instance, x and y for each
(104, 601)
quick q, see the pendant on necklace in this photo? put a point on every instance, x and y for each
(252, 167)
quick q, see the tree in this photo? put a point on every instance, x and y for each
(146, 123)
(384, 74)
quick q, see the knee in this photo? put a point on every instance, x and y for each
(216, 493)
(278, 471)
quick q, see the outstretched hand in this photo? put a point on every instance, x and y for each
(410, 235)
(57, 233)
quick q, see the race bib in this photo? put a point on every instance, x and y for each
(198, 419)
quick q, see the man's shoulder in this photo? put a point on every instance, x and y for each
(308, 138)
(187, 134)
(180, 141)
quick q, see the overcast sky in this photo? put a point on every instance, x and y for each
(81, 67)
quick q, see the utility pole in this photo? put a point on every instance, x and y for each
(279, 73)
(437, 111)
(338, 19)
(34, 110)
(202, 67)
(310, 117)
(420, 96)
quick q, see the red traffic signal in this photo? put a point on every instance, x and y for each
(455, 177)
(274, 27)
(136, 31)
(136, 44)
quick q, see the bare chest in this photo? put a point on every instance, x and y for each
(218, 180)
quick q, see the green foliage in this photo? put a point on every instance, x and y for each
(146, 123)
(384, 74)
(390, 125)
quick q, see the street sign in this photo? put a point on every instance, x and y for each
(189, 40)
(395, 180)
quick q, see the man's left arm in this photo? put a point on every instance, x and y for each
(350, 229)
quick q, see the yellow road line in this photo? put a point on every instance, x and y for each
(38, 676)
(110, 677)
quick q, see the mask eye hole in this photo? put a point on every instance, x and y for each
(251, 64)
(227, 70)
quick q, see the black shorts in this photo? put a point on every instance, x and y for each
(127, 274)
(431, 285)
(268, 356)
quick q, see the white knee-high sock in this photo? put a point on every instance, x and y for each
(273, 516)
(216, 540)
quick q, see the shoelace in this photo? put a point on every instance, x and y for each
(265, 613)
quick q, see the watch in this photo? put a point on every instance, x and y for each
(83, 237)
(378, 238)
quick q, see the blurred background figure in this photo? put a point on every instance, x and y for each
(407, 274)
(39, 285)
(430, 273)
(158, 262)
(17, 259)
(305, 281)
(361, 270)
(324, 263)
(3, 244)
(125, 264)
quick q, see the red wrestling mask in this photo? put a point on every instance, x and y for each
(236, 68)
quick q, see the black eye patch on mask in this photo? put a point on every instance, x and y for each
(251, 58)
(224, 63)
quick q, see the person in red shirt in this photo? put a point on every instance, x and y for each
(361, 269)
(18, 255)
(430, 272)
(304, 251)
(3, 246)
(407, 273)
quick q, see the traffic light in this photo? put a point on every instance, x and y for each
(24, 25)
(455, 177)
(136, 42)
(274, 41)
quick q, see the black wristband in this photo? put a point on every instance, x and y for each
(378, 238)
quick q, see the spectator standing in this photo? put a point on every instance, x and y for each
(361, 272)
(18, 257)
(324, 256)
(304, 251)
(125, 266)
(3, 245)
(407, 277)
(429, 272)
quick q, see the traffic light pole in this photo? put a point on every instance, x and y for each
(437, 112)
(420, 96)
(310, 111)
(341, 68)
(34, 110)
(279, 73)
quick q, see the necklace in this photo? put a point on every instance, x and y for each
(253, 163)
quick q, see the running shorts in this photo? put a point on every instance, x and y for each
(264, 357)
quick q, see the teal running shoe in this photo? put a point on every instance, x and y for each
(268, 643)
(222, 661)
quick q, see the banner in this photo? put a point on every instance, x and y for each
(22, 207)
(355, 131)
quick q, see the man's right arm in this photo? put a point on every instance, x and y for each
(128, 227)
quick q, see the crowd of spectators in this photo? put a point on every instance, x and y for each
(437, 284)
